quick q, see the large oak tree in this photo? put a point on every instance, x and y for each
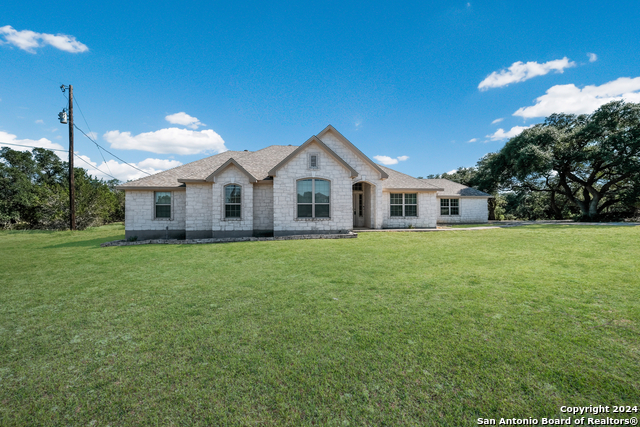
(592, 160)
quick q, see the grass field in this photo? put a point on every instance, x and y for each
(387, 329)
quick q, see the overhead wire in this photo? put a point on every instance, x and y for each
(32, 146)
(126, 163)
(75, 99)
(66, 151)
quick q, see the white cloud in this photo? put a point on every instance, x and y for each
(501, 134)
(125, 172)
(6, 139)
(520, 71)
(386, 160)
(40, 122)
(571, 100)
(592, 57)
(184, 119)
(93, 135)
(497, 121)
(29, 40)
(168, 141)
(473, 140)
(452, 171)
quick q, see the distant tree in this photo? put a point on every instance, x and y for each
(34, 193)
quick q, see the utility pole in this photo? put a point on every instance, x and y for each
(72, 183)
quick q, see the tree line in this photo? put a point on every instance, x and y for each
(34, 193)
(570, 166)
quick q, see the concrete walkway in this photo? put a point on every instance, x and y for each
(496, 224)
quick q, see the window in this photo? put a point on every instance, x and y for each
(314, 161)
(163, 204)
(313, 198)
(449, 207)
(232, 201)
(404, 204)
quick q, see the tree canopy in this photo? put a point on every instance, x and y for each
(587, 165)
(592, 160)
(34, 193)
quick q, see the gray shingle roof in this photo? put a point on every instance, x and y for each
(400, 180)
(455, 189)
(257, 163)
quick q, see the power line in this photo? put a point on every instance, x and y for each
(66, 151)
(32, 146)
(90, 131)
(104, 173)
(128, 164)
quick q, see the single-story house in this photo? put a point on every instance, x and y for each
(325, 185)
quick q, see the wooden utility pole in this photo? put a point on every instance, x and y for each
(72, 183)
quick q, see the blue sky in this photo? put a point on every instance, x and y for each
(430, 86)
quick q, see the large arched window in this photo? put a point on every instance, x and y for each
(314, 198)
(232, 201)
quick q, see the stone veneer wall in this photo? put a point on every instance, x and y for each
(426, 212)
(199, 209)
(232, 227)
(367, 173)
(140, 218)
(472, 210)
(285, 219)
(263, 206)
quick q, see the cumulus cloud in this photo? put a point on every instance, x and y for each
(473, 140)
(592, 57)
(570, 99)
(497, 121)
(184, 119)
(386, 160)
(30, 40)
(501, 134)
(520, 71)
(168, 141)
(125, 172)
(6, 139)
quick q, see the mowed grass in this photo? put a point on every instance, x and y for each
(387, 329)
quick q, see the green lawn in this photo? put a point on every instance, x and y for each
(387, 329)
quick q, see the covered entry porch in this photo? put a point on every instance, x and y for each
(363, 196)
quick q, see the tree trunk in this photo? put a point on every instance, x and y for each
(557, 213)
(491, 205)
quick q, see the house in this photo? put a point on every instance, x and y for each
(326, 185)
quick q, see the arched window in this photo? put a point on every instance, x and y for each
(232, 201)
(314, 198)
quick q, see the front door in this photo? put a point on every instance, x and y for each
(358, 209)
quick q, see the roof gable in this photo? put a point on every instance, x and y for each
(314, 140)
(356, 151)
(225, 165)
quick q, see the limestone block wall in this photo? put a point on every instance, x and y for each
(367, 173)
(198, 207)
(472, 210)
(285, 219)
(426, 212)
(140, 215)
(231, 227)
(263, 206)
